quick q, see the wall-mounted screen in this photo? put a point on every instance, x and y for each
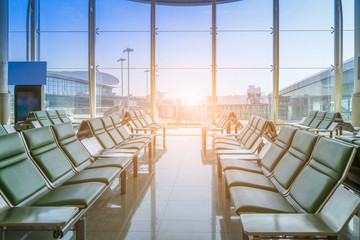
(27, 99)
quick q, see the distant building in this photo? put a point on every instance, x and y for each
(316, 92)
(70, 90)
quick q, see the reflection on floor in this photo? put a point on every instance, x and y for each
(181, 198)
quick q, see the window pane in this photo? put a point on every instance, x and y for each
(244, 50)
(64, 49)
(122, 15)
(238, 89)
(244, 15)
(64, 15)
(64, 45)
(183, 95)
(308, 91)
(186, 18)
(313, 49)
(306, 14)
(183, 50)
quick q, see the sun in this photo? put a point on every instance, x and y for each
(190, 100)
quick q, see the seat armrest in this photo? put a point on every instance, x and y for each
(115, 155)
(36, 124)
(302, 120)
(285, 224)
(73, 120)
(233, 152)
(144, 129)
(227, 134)
(37, 216)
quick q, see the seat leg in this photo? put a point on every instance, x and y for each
(204, 140)
(123, 181)
(154, 140)
(135, 163)
(154, 148)
(80, 228)
(164, 130)
(150, 150)
(227, 190)
(219, 169)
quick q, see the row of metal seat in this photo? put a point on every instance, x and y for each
(49, 178)
(223, 123)
(48, 118)
(300, 172)
(112, 134)
(248, 138)
(49, 166)
(140, 122)
(319, 121)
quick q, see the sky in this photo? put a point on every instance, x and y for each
(183, 42)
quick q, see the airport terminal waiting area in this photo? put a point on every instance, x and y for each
(126, 177)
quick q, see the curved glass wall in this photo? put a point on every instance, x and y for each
(184, 56)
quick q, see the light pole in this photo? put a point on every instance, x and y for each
(128, 50)
(147, 80)
(121, 60)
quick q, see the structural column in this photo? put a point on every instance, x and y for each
(356, 95)
(152, 63)
(91, 60)
(34, 34)
(338, 60)
(213, 63)
(275, 69)
(4, 88)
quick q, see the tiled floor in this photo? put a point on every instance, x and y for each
(181, 198)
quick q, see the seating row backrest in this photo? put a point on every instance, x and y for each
(309, 118)
(252, 131)
(222, 122)
(295, 158)
(71, 145)
(278, 148)
(47, 155)
(99, 131)
(45, 160)
(109, 135)
(305, 168)
(325, 171)
(48, 118)
(319, 120)
(20, 181)
(139, 120)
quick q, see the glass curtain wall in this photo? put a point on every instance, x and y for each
(244, 57)
(64, 46)
(306, 58)
(183, 59)
(121, 25)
